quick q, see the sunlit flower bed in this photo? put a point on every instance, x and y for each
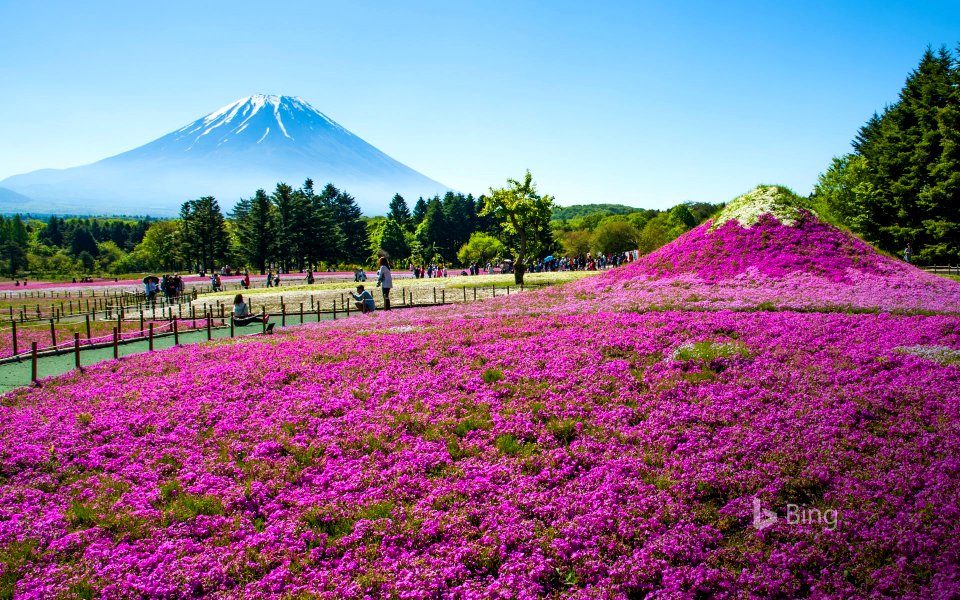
(564, 442)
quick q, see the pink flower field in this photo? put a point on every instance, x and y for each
(625, 436)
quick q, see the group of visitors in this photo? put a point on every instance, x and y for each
(431, 270)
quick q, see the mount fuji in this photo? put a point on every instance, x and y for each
(252, 143)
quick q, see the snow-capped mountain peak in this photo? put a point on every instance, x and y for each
(258, 114)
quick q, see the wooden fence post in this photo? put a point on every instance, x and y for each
(13, 325)
(76, 350)
(33, 362)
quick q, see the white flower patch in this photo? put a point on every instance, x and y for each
(945, 355)
(748, 208)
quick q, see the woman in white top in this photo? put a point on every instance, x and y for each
(385, 281)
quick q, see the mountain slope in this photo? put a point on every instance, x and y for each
(230, 153)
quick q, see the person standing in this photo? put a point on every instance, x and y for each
(269, 278)
(385, 281)
(908, 253)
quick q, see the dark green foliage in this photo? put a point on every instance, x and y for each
(204, 233)
(902, 182)
(400, 213)
(419, 212)
(349, 221)
(256, 230)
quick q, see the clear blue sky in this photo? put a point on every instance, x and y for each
(641, 103)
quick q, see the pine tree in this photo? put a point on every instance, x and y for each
(400, 213)
(204, 233)
(433, 232)
(419, 212)
(349, 222)
(256, 226)
(323, 237)
(901, 185)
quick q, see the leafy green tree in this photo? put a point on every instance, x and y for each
(161, 247)
(577, 243)
(524, 214)
(87, 261)
(657, 232)
(107, 254)
(615, 235)
(480, 249)
(682, 218)
(392, 241)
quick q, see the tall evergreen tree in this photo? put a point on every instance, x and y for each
(400, 212)
(204, 235)
(348, 218)
(256, 227)
(324, 240)
(419, 212)
(52, 235)
(901, 184)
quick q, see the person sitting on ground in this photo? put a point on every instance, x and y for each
(364, 300)
(241, 313)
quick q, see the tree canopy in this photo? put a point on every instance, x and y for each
(901, 183)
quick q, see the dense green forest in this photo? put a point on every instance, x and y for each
(303, 228)
(901, 183)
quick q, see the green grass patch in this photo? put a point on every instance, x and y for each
(492, 375)
(472, 423)
(707, 350)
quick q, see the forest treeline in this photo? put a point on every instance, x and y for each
(302, 228)
(901, 183)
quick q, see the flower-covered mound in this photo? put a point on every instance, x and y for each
(807, 265)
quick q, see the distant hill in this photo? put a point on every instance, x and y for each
(565, 213)
(12, 202)
(252, 143)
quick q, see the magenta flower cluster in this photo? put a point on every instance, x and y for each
(549, 444)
